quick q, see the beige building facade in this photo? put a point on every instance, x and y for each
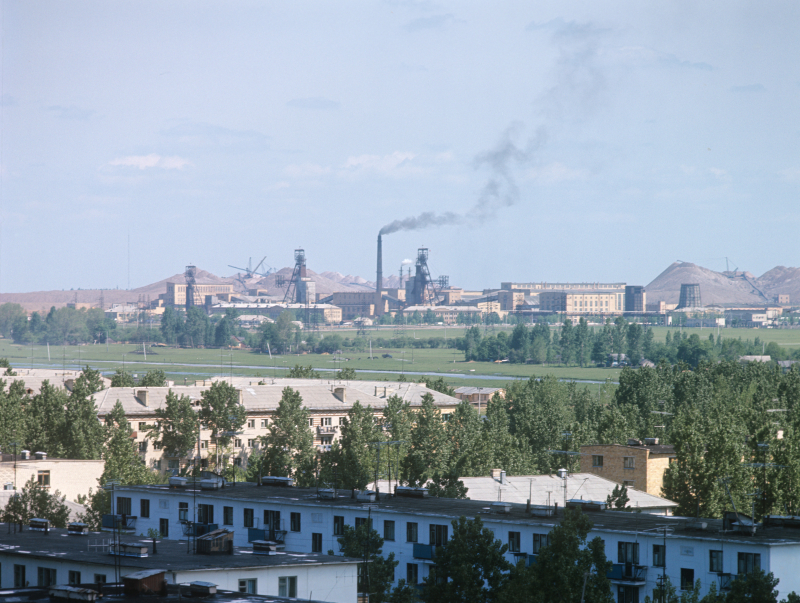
(583, 302)
(72, 478)
(327, 401)
(176, 293)
(639, 466)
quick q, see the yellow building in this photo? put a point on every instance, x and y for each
(176, 293)
(583, 302)
(637, 465)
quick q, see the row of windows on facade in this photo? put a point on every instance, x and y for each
(47, 576)
(628, 462)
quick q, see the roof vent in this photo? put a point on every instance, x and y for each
(696, 525)
(177, 482)
(586, 505)
(411, 492)
(501, 508)
(40, 456)
(202, 589)
(72, 593)
(541, 510)
(25, 455)
(366, 496)
(215, 542)
(327, 493)
(277, 481)
(77, 529)
(651, 441)
(562, 473)
(264, 547)
(39, 525)
(632, 442)
(213, 483)
(128, 549)
(340, 393)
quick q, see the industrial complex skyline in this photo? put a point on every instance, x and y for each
(543, 141)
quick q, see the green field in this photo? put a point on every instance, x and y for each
(189, 364)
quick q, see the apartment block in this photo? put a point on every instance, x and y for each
(639, 465)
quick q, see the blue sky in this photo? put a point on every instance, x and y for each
(580, 141)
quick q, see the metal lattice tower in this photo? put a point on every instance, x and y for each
(424, 290)
(191, 282)
(298, 273)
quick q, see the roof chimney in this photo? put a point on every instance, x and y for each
(379, 280)
(496, 473)
(142, 394)
(340, 393)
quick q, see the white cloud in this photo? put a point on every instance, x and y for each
(394, 164)
(718, 172)
(144, 162)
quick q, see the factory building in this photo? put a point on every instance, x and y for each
(583, 302)
(314, 313)
(176, 293)
(446, 314)
(635, 298)
(545, 286)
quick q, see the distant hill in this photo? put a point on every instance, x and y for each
(725, 288)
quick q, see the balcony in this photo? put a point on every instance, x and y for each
(122, 523)
(327, 428)
(628, 573)
(198, 529)
(277, 536)
(426, 552)
(725, 582)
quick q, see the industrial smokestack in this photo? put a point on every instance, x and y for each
(379, 280)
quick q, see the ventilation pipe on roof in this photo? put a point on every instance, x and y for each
(143, 396)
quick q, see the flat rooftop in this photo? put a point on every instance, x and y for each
(171, 555)
(113, 593)
(449, 508)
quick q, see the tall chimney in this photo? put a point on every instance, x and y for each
(379, 280)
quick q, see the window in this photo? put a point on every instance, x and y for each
(294, 522)
(163, 527)
(43, 479)
(173, 464)
(272, 520)
(360, 521)
(715, 561)
(687, 578)
(264, 422)
(123, 505)
(342, 420)
(99, 578)
(143, 446)
(438, 535)
(627, 462)
(628, 552)
(237, 443)
(388, 530)
(46, 576)
(325, 421)
(19, 576)
(227, 516)
(627, 594)
(338, 525)
(144, 507)
(412, 573)
(628, 483)
(247, 586)
(248, 518)
(287, 586)
(597, 460)
(74, 577)
(316, 543)
(513, 542)
(658, 555)
(237, 462)
(143, 426)
(749, 562)
(411, 531)
(205, 513)
(540, 541)
(204, 444)
(251, 443)
(311, 422)
(156, 462)
(183, 511)
(251, 424)
(326, 440)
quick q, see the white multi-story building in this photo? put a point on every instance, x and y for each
(39, 559)
(642, 547)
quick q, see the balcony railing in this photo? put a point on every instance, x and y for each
(725, 581)
(278, 536)
(124, 523)
(198, 529)
(327, 428)
(628, 573)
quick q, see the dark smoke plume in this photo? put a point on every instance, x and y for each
(499, 191)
